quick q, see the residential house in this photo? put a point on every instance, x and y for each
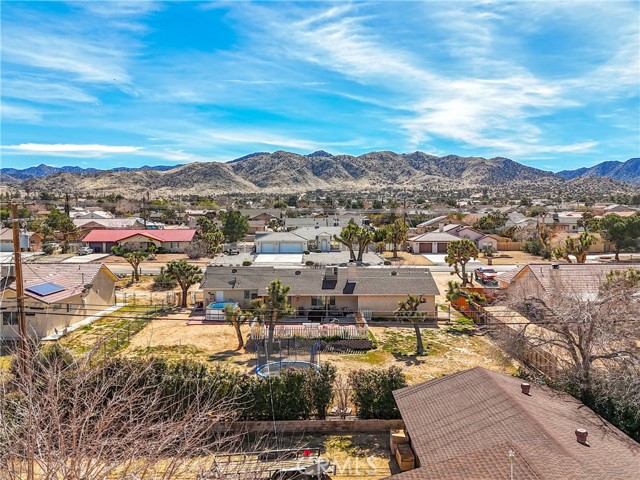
(340, 289)
(583, 279)
(29, 241)
(484, 425)
(93, 215)
(438, 241)
(430, 225)
(299, 240)
(172, 239)
(85, 225)
(58, 295)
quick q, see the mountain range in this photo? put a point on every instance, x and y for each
(290, 172)
(628, 171)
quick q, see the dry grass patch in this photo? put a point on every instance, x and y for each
(406, 258)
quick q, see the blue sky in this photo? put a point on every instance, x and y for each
(553, 85)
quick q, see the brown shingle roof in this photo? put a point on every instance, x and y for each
(584, 278)
(463, 426)
(310, 281)
(72, 277)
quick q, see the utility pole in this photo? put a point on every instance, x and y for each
(17, 261)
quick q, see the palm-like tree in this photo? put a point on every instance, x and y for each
(233, 316)
(349, 236)
(185, 275)
(459, 253)
(274, 306)
(409, 309)
(364, 238)
(397, 234)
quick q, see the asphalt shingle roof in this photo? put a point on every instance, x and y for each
(435, 237)
(311, 281)
(463, 426)
(162, 235)
(72, 277)
(584, 278)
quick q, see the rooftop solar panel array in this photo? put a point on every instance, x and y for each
(44, 289)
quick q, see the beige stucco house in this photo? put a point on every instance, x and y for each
(57, 295)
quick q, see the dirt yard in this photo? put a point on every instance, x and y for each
(447, 350)
(405, 258)
(513, 258)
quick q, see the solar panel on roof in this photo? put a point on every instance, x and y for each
(44, 289)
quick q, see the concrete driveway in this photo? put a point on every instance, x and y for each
(278, 259)
(438, 259)
(92, 257)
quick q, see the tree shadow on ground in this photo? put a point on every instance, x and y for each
(409, 360)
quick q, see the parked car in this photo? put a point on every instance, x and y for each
(232, 251)
(485, 275)
(85, 251)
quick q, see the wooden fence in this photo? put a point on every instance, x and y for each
(312, 426)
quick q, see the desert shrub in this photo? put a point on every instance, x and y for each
(162, 280)
(196, 249)
(387, 262)
(373, 392)
(317, 250)
(320, 387)
(246, 263)
(306, 252)
(308, 263)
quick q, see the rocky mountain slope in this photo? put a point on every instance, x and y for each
(43, 170)
(628, 171)
(289, 172)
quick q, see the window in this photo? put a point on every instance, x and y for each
(320, 301)
(9, 318)
(174, 245)
(68, 308)
(250, 294)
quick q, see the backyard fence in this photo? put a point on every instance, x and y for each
(311, 331)
(159, 299)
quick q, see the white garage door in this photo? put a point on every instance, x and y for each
(291, 247)
(268, 247)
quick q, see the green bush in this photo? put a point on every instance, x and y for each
(317, 250)
(162, 280)
(462, 326)
(246, 263)
(373, 392)
(306, 252)
(308, 263)
(387, 262)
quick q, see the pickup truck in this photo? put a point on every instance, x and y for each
(486, 275)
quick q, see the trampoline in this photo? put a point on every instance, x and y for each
(274, 368)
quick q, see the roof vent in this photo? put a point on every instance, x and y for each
(525, 388)
(581, 436)
(234, 270)
(394, 273)
(555, 266)
(298, 272)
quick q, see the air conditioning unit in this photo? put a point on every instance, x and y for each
(7, 271)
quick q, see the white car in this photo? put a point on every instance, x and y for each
(85, 251)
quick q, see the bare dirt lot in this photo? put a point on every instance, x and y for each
(447, 350)
(405, 258)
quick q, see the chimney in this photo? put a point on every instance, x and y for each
(581, 436)
(352, 272)
(441, 227)
(525, 387)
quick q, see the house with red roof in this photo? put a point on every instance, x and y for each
(173, 240)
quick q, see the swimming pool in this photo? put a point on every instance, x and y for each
(215, 311)
(220, 305)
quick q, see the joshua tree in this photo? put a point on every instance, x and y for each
(135, 259)
(275, 307)
(409, 309)
(578, 247)
(185, 275)
(364, 238)
(234, 317)
(396, 235)
(348, 236)
(459, 253)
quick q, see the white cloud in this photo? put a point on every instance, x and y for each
(71, 150)
(19, 113)
(43, 92)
